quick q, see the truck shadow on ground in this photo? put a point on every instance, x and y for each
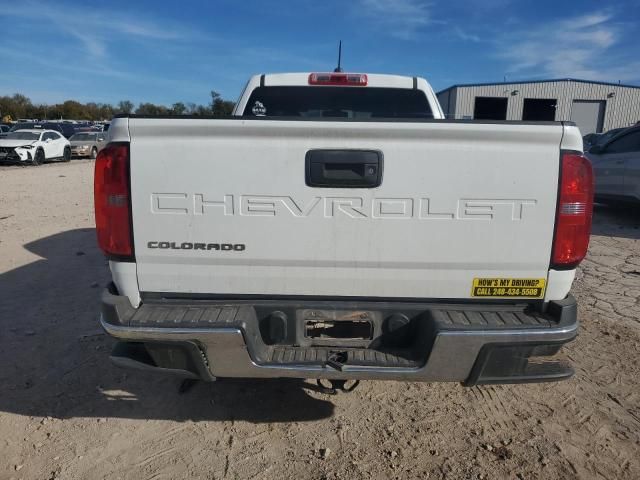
(54, 356)
(616, 221)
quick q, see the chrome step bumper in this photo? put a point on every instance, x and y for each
(463, 347)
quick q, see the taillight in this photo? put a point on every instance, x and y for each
(575, 208)
(348, 79)
(113, 202)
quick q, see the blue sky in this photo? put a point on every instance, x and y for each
(159, 52)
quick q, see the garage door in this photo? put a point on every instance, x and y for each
(490, 108)
(588, 115)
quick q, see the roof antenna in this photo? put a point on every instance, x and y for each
(338, 69)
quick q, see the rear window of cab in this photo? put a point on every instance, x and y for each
(337, 102)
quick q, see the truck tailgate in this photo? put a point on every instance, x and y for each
(222, 206)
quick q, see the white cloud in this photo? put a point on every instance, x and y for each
(464, 35)
(588, 20)
(91, 27)
(399, 18)
(580, 47)
(406, 19)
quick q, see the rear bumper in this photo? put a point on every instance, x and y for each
(473, 344)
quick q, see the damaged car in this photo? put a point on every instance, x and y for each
(34, 146)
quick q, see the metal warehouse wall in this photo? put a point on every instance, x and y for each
(621, 110)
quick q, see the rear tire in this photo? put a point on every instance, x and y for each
(38, 158)
(94, 153)
(66, 156)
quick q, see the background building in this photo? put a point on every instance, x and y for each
(593, 106)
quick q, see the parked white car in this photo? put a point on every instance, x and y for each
(34, 146)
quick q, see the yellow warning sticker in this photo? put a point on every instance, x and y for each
(508, 287)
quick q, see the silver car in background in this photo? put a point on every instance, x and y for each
(87, 144)
(616, 167)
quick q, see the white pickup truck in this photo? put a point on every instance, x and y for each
(338, 227)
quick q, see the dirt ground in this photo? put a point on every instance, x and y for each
(66, 412)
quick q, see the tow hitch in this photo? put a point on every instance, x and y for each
(337, 361)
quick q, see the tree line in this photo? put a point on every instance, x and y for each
(20, 106)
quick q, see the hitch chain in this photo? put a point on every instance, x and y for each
(337, 386)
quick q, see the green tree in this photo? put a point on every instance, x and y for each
(191, 108)
(39, 111)
(105, 111)
(178, 108)
(20, 106)
(54, 112)
(124, 106)
(219, 106)
(72, 109)
(202, 110)
(151, 109)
